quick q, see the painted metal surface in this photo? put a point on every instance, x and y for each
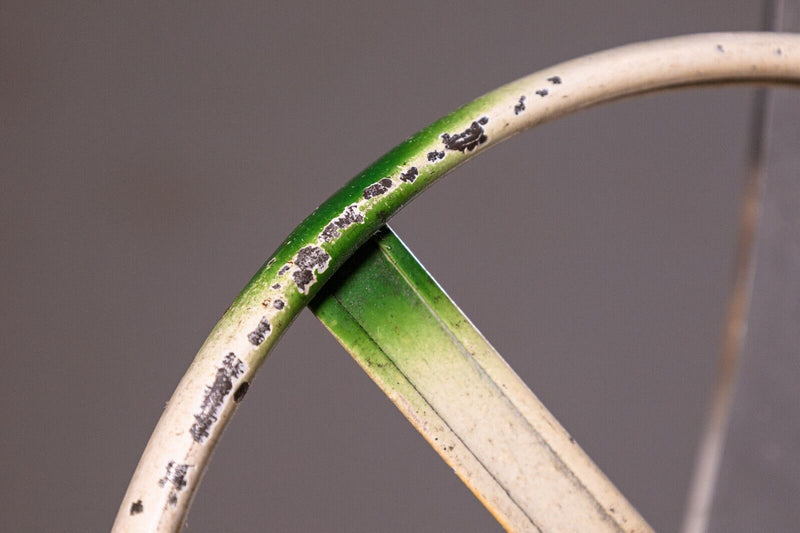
(452, 385)
(173, 463)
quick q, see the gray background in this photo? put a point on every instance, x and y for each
(152, 156)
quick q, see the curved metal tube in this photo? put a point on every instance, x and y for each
(170, 470)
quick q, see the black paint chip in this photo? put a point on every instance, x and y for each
(176, 474)
(312, 257)
(258, 335)
(435, 155)
(555, 80)
(350, 216)
(307, 260)
(542, 92)
(410, 175)
(240, 391)
(176, 477)
(302, 278)
(467, 140)
(377, 189)
(137, 507)
(278, 304)
(232, 367)
(284, 269)
(520, 107)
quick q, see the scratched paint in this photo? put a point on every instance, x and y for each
(175, 480)
(229, 370)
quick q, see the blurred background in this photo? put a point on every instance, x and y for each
(153, 155)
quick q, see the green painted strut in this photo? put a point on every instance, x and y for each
(415, 343)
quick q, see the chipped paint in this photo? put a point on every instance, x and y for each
(284, 269)
(469, 139)
(351, 215)
(520, 107)
(276, 286)
(137, 507)
(231, 368)
(377, 189)
(307, 260)
(410, 175)
(555, 80)
(435, 155)
(261, 332)
(278, 304)
(311, 257)
(175, 477)
(542, 92)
